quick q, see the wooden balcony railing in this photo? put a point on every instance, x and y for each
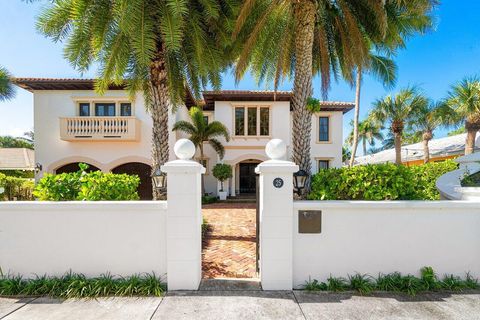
(99, 128)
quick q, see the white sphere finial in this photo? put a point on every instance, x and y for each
(184, 149)
(276, 149)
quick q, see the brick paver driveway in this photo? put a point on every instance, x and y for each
(229, 246)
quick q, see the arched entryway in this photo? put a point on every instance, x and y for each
(73, 167)
(143, 171)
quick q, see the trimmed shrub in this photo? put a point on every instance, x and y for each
(222, 172)
(380, 182)
(16, 188)
(92, 186)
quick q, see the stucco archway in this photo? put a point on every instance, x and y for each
(243, 177)
(94, 164)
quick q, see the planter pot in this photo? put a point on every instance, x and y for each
(469, 193)
(222, 195)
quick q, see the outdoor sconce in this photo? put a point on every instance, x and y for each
(159, 179)
(299, 179)
(38, 167)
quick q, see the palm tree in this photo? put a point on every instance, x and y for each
(426, 119)
(7, 91)
(302, 38)
(368, 132)
(200, 131)
(464, 102)
(397, 110)
(159, 47)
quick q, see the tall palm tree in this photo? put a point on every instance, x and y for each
(159, 47)
(7, 91)
(200, 131)
(383, 68)
(464, 101)
(426, 119)
(397, 110)
(368, 132)
(302, 38)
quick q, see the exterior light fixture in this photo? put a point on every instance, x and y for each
(299, 179)
(159, 179)
(38, 167)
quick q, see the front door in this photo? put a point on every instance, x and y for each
(247, 177)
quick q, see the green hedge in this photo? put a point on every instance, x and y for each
(93, 186)
(380, 182)
(16, 188)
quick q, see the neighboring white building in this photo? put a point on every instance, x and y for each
(113, 133)
(412, 154)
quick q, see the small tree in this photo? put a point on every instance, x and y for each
(222, 172)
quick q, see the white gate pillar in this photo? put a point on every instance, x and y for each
(276, 218)
(184, 218)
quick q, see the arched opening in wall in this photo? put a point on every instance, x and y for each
(73, 167)
(247, 178)
(143, 171)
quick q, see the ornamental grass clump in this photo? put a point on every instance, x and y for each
(73, 285)
(365, 284)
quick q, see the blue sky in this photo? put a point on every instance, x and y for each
(433, 61)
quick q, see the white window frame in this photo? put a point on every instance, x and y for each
(92, 100)
(317, 133)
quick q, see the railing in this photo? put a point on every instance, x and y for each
(99, 128)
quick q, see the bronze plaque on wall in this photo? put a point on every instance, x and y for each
(309, 221)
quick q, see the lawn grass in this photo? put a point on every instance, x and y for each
(73, 285)
(395, 282)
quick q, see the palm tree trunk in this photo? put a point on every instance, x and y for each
(364, 147)
(398, 147)
(426, 151)
(470, 141)
(304, 12)
(356, 118)
(159, 106)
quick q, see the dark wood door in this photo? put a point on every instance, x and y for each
(247, 178)
(143, 171)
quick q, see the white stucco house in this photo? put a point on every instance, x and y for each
(113, 133)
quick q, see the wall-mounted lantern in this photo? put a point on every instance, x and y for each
(38, 167)
(299, 179)
(159, 179)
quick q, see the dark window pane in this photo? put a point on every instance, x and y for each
(323, 164)
(125, 109)
(240, 121)
(323, 128)
(205, 119)
(105, 109)
(252, 121)
(264, 121)
(84, 109)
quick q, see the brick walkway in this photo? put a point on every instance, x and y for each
(229, 245)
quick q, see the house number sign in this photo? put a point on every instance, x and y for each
(278, 182)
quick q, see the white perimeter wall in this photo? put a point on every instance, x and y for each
(92, 238)
(382, 236)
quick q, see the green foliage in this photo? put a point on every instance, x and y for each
(93, 186)
(395, 282)
(209, 199)
(471, 180)
(16, 188)
(380, 182)
(12, 142)
(222, 171)
(313, 105)
(7, 90)
(73, 285)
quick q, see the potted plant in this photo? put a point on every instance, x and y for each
(222, 172)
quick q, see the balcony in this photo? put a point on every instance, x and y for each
(100, 129)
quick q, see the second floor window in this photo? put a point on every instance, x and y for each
(252, 121)
(323, 129)
(84, 109)
(125, 109)
(323, 164)
(105, 109)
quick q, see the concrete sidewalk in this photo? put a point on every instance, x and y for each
(233, 305)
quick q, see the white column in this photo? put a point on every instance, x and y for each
(276, 218)
(184, 219)
(232, 181)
